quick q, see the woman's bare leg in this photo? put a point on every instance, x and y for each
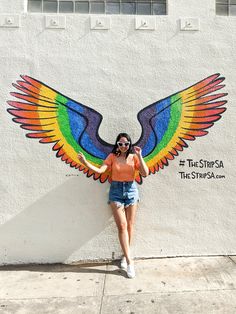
(130, 213)
(121, 222)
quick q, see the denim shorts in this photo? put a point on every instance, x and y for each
(123, 193)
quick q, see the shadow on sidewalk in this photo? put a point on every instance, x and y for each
(60, 268)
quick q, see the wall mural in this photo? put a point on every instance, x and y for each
(72, 126)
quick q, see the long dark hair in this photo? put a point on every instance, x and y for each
(116, 150)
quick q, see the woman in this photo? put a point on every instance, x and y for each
(123, 195)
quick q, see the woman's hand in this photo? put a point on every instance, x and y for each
(84, 161)
(138, 150)
(82, 158)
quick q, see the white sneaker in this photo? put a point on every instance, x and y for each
(123, 263)
(130, 270)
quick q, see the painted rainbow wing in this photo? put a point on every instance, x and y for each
(55, 118)
(166, 124)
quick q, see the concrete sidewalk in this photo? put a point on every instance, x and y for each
(164, 285)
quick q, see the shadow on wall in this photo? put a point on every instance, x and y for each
(56, 225)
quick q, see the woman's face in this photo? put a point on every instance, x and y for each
(123, 144)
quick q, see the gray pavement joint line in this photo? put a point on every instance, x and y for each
(167, 292)
(180, 256)
(120, 295)
(183, 256)
(231, 259)
(104, 281)
(4, 267)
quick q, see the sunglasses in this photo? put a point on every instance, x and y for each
(123, 144)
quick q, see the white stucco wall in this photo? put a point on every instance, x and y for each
(50, 212)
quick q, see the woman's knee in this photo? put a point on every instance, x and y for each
(130, 224)
(122, 226)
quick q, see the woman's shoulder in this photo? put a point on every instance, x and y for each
(109, 159)
(134, 156)
(111, 156)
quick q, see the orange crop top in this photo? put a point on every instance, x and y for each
(122, 171)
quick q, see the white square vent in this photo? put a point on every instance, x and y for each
(99, 22)
(145, 22)
(9, 20)
(55, 21)
(189, 24)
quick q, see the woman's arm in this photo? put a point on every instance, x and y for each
(143, 169)
(82, 159)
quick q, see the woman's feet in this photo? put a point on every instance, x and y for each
(130, 270)
(123, 263)
(128, 266)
